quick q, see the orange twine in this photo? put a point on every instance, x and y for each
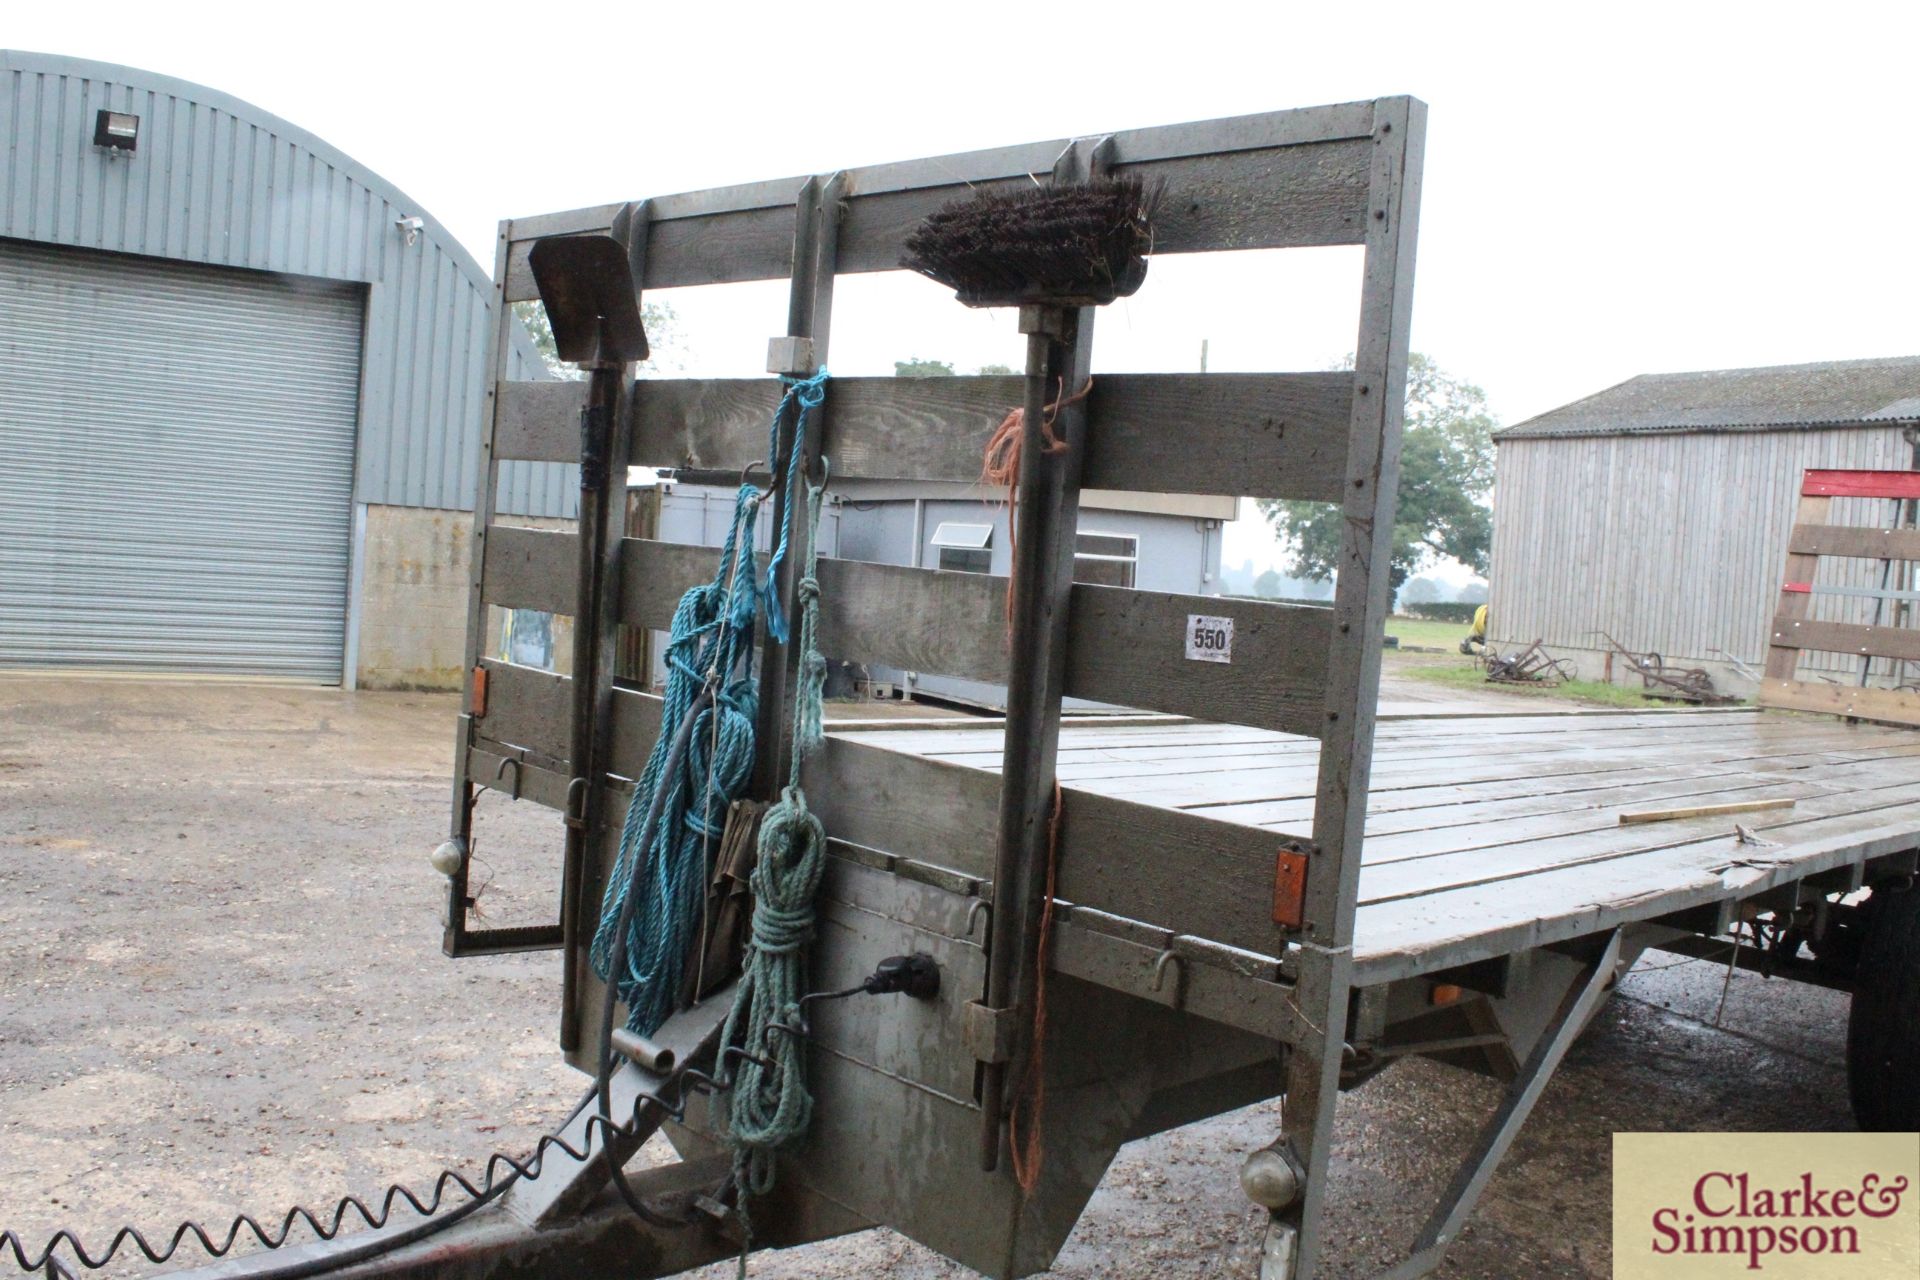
(1000, 467)
(1029, 1155)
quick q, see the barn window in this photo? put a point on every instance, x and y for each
(1105, 559)
(965, 548)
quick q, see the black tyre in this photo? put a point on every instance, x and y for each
(1883, 1034)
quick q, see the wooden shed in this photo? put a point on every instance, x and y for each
(1658, 511)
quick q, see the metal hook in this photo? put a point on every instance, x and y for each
(980, 907)
(747, 470)
(736, 1054)
(826, 470)
(501, 772)
(576, 787)
(701, 1082)
(1168, 957)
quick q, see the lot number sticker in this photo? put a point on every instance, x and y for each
(1209, 639)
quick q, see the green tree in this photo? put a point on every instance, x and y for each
(918, 368)
(1421, 590)
(1446, 476)
(1267, 584)
(663, 335)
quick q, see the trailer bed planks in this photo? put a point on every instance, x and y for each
(1488, 835)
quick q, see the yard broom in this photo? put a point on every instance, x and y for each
(1048, 250)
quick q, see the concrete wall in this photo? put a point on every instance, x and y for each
(414, 577)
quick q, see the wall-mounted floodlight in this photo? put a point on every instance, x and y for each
(410, 226)
(116, 131)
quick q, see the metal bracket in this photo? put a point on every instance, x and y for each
(791, 357)
(989, 1032)
(1290, 884)
(1055, 322)
(1464, 1191)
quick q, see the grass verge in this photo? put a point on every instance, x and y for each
(1463, 674)
(1426, 634)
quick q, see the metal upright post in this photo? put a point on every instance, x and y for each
(1294, 1237)
(483, 503)
(800, 353)
(1045, 518)
(605, 430)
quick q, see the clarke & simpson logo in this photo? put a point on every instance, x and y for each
(1830, 1205)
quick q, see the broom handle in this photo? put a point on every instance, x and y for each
(1045, 513)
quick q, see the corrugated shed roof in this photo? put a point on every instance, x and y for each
(1826, 394)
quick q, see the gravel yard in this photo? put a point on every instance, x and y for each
(221, 988)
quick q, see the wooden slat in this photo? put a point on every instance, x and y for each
(530, 569)
(1277, 198)
(748, 244)
(1848, 637)
(1890, 706)
(1287, 197)
(1265, 435)
(1283, 179)
(1436, 931)
(654, 575)
(1866, 544)
(1442, 872)
(538, 421)
(526, 708)
(1704, 810)
(1294, 127)
(503, 769)
(950, 624)
(531, 709)
(1126, 647)
(1862, 484)
(1129, 647)
(945, 814)
(1794, 606)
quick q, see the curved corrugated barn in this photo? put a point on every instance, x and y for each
(240, 393)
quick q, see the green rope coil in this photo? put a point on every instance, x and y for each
(770, 1106)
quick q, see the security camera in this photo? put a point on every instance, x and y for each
(410, 225)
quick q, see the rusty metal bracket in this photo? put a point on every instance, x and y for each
(1290, 884)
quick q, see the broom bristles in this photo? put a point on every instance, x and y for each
(1085, 244)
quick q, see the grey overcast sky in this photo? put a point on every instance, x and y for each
(1610, 188)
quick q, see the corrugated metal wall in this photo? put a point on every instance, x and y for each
(176, 465)
(1671, 542)
(217, 181)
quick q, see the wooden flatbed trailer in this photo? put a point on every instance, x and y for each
(1261, 891)
(1491, 836)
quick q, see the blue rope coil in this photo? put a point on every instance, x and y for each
(710, 645)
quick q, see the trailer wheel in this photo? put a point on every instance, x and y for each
(1883, 1033)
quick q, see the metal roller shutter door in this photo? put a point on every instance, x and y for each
(176, 465)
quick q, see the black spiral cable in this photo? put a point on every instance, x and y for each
(502, 1171)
